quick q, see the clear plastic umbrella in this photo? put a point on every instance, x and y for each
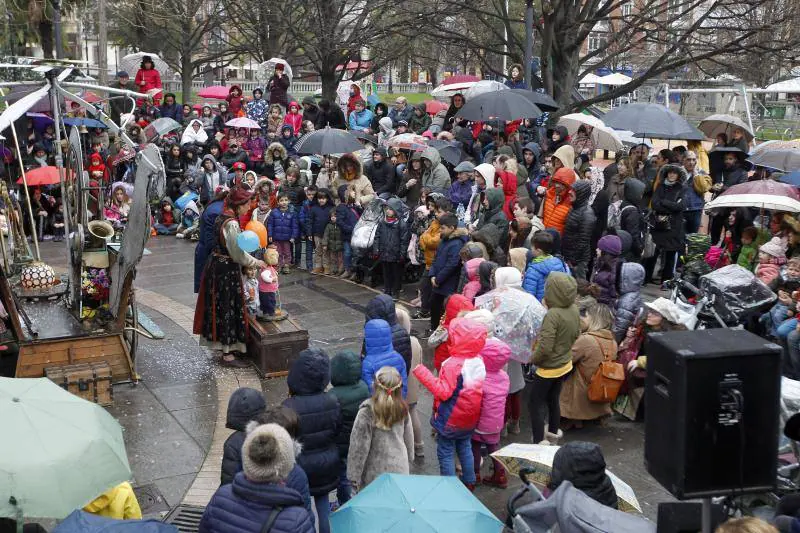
(482, 87)
(517, 319)
(267, 69)
(131, 63)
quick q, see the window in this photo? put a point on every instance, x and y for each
(627, 9)
(597, 40)
(675, 7)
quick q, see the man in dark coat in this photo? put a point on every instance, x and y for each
(234, 154)
(320, 422)
(330, 115)
(381, 173)
(382, 307)
(446, 267)
(122, 104)
(244, 405)
(278, 86)
(170, 108)
(578, 228)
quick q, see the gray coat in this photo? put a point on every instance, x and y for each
(375, 451)
(437, 179)
(629, 303)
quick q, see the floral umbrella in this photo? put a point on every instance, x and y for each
(408, 141)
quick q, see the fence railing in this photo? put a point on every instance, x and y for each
(297, 88)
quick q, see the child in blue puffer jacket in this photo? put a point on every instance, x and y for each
(347, 215)
(305, 214)
(283, 229)
(380, 352)
(543, 262)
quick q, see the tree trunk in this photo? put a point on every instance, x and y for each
(330, 81)
(46, 38)
(186, 77)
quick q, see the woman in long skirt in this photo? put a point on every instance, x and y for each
(220, 317)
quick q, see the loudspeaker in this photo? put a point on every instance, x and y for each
(712, 408)
(686, 517)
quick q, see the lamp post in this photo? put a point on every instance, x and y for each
(57, 28)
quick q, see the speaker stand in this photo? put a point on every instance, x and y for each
(706, 516)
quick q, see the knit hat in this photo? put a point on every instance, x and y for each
(123, 74)
(267, 454)
(564, 176)
(238, 196)
(239, 166)
(610, 244)
(774, 247)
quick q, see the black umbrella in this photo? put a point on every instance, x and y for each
(653, 121)
(717, 154)
(542, 100)
(499, 105)
(328, 141)
(358, 134)
(449, 150)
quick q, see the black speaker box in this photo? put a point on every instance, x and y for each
(712, 408)
(686, 517)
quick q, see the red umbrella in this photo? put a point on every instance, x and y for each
(89, 96)
(433, 106)
(41, 176)
(460, 78)
(216, 92)
(767, 187)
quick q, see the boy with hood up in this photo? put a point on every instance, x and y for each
(420, 120)
(288, 139)
(434, 175)
(190, 222)
(244, 405)
(578, 229)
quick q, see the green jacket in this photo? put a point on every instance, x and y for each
(562, 323)
(748, 256)
(350, 390)
(332, 238)
(419, 124)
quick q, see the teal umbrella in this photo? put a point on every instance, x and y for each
(58, 452)
(414, 504)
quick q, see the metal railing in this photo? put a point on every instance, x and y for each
(297, 87)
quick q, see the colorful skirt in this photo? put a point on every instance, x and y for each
(220, 317)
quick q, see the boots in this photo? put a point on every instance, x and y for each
(513, 427)
(498, 479)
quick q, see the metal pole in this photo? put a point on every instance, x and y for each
(528, 43)
(34, 237)
(102, 41)
(666, 95)
(505, 42)
(57, 29)
(706, 516)
(59, 156)
(747, 108)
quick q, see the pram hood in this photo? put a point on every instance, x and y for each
(736, 292)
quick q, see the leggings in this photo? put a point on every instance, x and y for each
(544, 404)
(476, 455)
(513, 406)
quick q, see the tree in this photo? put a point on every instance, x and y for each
(32, 21)
(257, 28)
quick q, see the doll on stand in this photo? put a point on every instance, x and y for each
(250, 282)
(268, 288)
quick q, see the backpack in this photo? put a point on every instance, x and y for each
(615, 211)
(607, 379)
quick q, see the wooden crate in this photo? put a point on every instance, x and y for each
(34, 357)
(90, 381)
(274, 345)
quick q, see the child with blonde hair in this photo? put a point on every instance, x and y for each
(747, 524)
(382, 439)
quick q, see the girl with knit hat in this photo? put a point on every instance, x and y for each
(771, 255)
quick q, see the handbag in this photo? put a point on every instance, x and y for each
(607, 380)
(649, 247)
(439, 336)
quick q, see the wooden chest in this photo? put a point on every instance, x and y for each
(90, 381)
(274, 345)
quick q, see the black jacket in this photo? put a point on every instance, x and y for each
(312, 113)
(243, 406)
(668, 200)
(630, 218)
(382, 307)
(579, 226)
(333, 117)
(391, 238)
(583, 464)
(382, 176)
(320, 419)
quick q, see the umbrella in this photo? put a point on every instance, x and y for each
(160, 126)
(542, 100)
(614, 79)
(483, 87)
(775, 145)
(40, 120)
(590, 79)
(88, 96)
(460, 78)
(414, 504)
(267, 69)
(358, 134)
(408, 141)
(539, 458)
(762, 201)
(243, 122)
(517, 319)
(41, 176)
(716, 124)
(452, 153)
(328, 141)
(216, 92)
(605, 138)
(779, 159)
(792, 178)
(83, 522)
(653, 121)
(628, 139)
(58, 451)
(87, 122)
(499, 105)
(434, 106)
(132, 62)
(764, 187)
(573, 121)
(446, 91)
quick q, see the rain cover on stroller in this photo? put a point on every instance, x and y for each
(364, 231)
(568, 510)
(517, 319)
(736, 292)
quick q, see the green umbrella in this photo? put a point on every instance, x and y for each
(58, 452)
(414, 504)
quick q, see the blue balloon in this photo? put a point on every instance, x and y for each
(248, 241)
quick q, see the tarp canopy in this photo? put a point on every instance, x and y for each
(786, 86)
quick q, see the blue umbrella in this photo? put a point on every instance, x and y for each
(792, 178)
(88, 122)
(82, 522)
(414, 504)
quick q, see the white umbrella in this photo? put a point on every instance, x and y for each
(786, 86)
(444, 92)
(614, 79)
(716, 124)
(483, 87)
(132, 62)
(590, 79)
(573, 121)
(243, 122)
(762, 201)
(605, 138)
(267, 69)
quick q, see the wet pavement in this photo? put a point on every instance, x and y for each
(169, 418)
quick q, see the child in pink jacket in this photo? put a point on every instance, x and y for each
(473, 285)
(495, 355)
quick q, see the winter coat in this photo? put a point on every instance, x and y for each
(457, 394)
(173, 111)
(176, 213)
(631, 218)
(360, 121)
(382, 307)
(359, 182)
(312, 113)
(320, 419)
(234, 102)
(255, 146)
(382, 176)
(578, 226)
(604, 275)
(333, 118)
(346, 215)
(404, 114)
(693, 199)
(288, 142)
(319, 216)
(420, 123)
(379, 353)
(556, 209)
(460, 192)
(295, 120)
(277, 88)
(152, 80)
(629, 303)
(206, 240)
(429, 242)
(729, 178)
(587, 354)
(351, 391)
(282, 225)
(495, 355)
(243, 406)
(391, 238)
(384, 110)
(668, 200)
(208, 182)
(495, 214)
(473, 285)
(446, 266)
(229, 158)
(118, 502)
(332, 238)
(561, 325)
(508, 182)
(119, 105)
(456, 304)
(375, 451)
(437, 179)
(257, 109)
(244, 506)
(490, 237)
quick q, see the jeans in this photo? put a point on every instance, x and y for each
(691, 221)
(348, 254)
(345, 490)
(284, 253)
(323, 505)
(544, 403)
(786, 327)
(267, 301)
(446, 450)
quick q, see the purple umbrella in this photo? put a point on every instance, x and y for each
(40, 120)
(764, 187)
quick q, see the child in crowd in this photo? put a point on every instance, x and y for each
(347, 215)
(235, 101)
(604, 274)
(292, 187)
(552, 355)
(557, 201)
(189, 228)
(542, 264)
(288, 139)
(629, 304)
(771, 255)
(379, 352)
(332, 246)
(457, 397)
(404, 319)
(58, 222)
(293, 118)
(262, 210)
(781, 319)
(391, 245)
(244, 405)
(283, 230)
(319, 415)
(305, 214)
(119, 205)
(748, 253)
(495, 355)
(274, 122)
(250, 284)
(351, 391)
(456, 306)
(473, 286)
(168, 219)
(318, 219)
(382, 439)
(268, 285)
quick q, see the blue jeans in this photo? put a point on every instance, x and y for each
(446, 450)
(323, 512)
(786, 327)
(345, 490)
(348, 254)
